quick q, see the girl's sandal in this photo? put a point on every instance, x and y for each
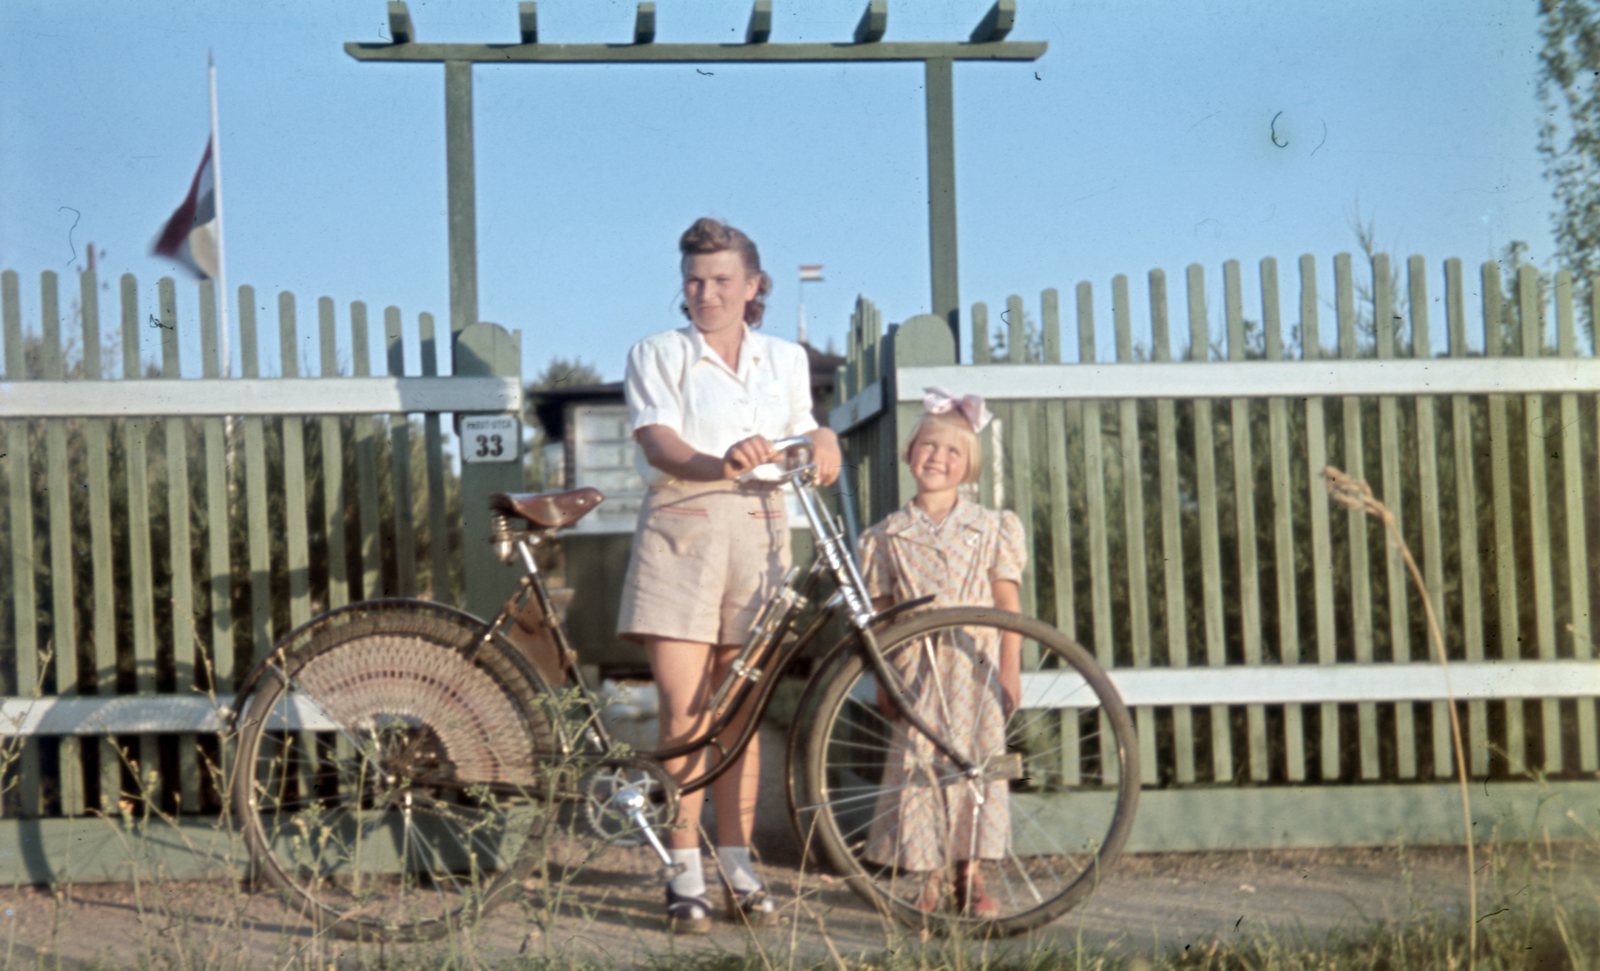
(755, 907)
(972, 898)
(687, 915)
(932, 896)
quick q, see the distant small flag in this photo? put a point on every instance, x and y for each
(190, 236)
(810, 271)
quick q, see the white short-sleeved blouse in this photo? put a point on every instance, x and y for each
(675, 379)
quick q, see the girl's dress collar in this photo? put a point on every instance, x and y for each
(916, 524)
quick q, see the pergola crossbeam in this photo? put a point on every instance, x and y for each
(651, 53)
(987, 43)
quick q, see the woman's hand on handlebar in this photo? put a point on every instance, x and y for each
(746, 454)
(825, 454)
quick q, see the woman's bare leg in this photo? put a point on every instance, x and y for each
(683, 672)
(687, 675)
(735, 792)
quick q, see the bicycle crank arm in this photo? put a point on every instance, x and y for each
(632, 802)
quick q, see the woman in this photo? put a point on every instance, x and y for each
(712, 543)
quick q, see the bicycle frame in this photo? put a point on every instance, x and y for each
(765, 655)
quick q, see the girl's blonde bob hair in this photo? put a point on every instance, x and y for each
(957, 422)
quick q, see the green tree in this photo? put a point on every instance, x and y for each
(1569, 132)
(562, 373)
(1032, 340)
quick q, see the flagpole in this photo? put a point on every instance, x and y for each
(216, 189)
(808, 272)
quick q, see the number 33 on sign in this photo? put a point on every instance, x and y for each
(490, 438)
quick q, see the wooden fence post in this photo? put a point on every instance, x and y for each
(1283, 523)
(1351, 433)
(334, 500)
(438, 541)
(180, 543)
(486, 349)
(1497, 341)
(924, 339)
(1246, 539)
(1578, 580)
(58, 498)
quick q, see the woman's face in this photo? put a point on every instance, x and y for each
(938, 459)
(716, 288)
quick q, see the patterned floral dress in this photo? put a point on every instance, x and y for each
(925, 816)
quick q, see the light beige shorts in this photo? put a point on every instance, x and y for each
(706, 557)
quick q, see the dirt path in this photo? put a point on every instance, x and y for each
(611, 911)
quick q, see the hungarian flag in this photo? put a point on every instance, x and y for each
(190, 236)
(810, 271)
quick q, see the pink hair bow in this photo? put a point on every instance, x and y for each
(939, 401)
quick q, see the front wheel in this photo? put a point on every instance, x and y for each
(1012, 845)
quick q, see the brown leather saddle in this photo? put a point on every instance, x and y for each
(548, 510)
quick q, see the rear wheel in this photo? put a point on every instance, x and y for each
(387, 786)
(1014, 846)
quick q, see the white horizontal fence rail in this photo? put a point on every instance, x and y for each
(1158, 687)
(1255, 379)
(143, 714)
(1340, 684)
(258, 396)
(1222, 379)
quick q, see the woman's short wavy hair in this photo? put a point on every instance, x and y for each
(709, 235)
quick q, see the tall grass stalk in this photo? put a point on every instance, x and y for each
(1356, 494)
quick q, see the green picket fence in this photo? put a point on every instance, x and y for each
(1270, 642)
(162, 532)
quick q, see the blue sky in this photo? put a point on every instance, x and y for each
(1142, 139)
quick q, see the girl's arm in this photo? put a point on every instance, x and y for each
(1008, 596)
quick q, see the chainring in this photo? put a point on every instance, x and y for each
(607, 819)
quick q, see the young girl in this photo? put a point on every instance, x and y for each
(928, 819)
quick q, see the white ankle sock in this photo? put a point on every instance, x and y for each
(690, 881)
(734, 862)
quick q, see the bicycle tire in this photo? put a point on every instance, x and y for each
(384, 784)
(895, 817)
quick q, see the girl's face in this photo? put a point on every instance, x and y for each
(716, 288)
(938, 459)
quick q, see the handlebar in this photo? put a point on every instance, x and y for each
(793, 441)
(794, 453)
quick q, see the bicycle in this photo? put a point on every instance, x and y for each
(402, 765)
